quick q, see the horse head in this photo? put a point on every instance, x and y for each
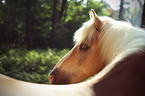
(84, 60)
(99, 42)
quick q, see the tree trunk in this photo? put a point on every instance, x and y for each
(13, 31)
(63, 7)
(53, 19)
(139, 1)
(143, 17)
(121, 12)
(28, 25)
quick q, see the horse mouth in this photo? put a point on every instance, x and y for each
(58, 80)
(58, 77)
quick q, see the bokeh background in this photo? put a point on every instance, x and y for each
(36, 34)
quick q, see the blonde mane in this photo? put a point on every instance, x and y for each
(86, 32)
(116, 37)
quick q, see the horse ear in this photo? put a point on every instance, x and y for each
(97, 21)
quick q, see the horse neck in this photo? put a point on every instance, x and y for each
(120, 40)
(129, 42)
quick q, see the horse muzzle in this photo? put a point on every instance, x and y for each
(58, 77)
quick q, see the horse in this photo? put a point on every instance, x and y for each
(120, 63)
(99, 42)
(120, 78)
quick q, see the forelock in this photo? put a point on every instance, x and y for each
(86, 32)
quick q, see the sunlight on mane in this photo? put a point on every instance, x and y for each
(86, 32)
(119, 37)
(115, 37)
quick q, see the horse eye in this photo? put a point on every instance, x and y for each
(84, 46)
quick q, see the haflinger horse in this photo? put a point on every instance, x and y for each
(99, 42)
(115, 50)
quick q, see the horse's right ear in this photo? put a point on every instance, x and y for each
(97, 21)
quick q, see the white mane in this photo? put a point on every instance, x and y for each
(86, 32)
(117, 37)
(120, 38)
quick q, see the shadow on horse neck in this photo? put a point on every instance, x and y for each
(125, 79)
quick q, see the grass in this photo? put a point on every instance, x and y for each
(30, 65)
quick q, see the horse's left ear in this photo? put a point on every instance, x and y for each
(97, 21)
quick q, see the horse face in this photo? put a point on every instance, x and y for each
(83, 61)
(80, 63)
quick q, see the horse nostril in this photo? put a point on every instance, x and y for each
(51, 78)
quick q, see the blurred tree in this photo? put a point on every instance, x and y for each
(28, 25)
(43, 23)
(53, 23)
(140, 3)
(77, 14)
(63, 10)
(133, 15)
(143, 17)
(121, 12)
(11, 17)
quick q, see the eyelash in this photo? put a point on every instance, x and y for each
(84, 46)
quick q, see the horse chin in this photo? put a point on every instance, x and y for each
(57, 82)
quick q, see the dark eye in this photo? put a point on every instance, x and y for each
(84, 46)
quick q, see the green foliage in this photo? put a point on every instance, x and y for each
(77, 14)
(32, 66)
(13, 22)
(133, 16)
(35, 65)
